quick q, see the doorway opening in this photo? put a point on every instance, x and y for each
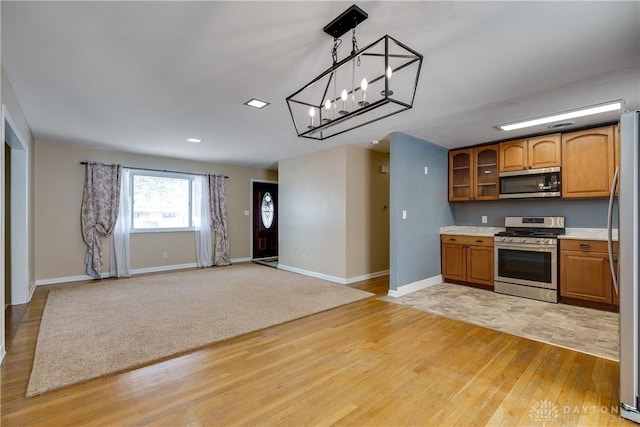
(264, 222)
(15, 236)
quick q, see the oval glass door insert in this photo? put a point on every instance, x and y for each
(267, 210)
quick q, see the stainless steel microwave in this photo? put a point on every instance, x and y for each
(544, 182)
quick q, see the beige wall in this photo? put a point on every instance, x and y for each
(367, 212)
(312, 203)
(332, 220)
(59, 178)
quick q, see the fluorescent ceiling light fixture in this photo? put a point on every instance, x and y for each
(596, 109)
(195, 140)
(256, 103)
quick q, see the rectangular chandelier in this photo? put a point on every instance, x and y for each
(370, 84)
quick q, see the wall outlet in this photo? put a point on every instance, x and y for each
(246, 212)
(404, 214)
(426, 170)
(165, 255)
(484, 219)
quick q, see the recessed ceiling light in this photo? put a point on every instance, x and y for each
(256, 103)
(595, 109)
(195, 140)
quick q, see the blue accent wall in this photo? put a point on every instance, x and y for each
(579, 213)
(415, 241)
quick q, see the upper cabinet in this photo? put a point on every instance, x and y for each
(473, 173)
(589, 162)
(533, 153)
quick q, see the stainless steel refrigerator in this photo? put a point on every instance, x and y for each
(627, 273)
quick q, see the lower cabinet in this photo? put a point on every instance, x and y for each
(467, 259)
(585, 274)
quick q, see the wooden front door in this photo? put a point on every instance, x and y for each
(265, 220)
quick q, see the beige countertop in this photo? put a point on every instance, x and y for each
(470, 230)
(571, 233)
(588, 234)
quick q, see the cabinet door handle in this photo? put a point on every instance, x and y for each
(585, 245)
(479, 241)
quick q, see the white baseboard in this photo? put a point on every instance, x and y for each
(32, 289)
(415, 286)
(135, 271)
(322, 276)
(355, 279)
(335, 279)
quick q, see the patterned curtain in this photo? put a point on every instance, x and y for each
(218, 205)
(100, 204)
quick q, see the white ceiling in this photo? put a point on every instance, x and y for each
(144, 76)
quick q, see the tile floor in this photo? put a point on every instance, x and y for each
(581, 329)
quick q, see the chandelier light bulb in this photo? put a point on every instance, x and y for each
(344, 97)
(327, 107)
(363, 85)
(312, 113)
(389, 92)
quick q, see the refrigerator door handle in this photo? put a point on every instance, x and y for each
(612, 264)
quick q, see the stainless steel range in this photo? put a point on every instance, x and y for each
(526, 257)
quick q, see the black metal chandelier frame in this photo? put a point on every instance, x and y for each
(323, 128)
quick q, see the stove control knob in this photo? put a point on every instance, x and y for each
(541, 241)
(509, 239)
(523, 240)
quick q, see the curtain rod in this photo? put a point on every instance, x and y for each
(158, 170)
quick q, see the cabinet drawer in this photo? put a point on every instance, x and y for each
(586, 245)
(467, 240)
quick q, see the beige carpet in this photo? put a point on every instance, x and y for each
(91, 330)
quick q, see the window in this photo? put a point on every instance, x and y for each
(161, 201)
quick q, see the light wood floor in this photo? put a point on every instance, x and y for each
(366, 363)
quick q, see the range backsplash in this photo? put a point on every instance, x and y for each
(580, 213)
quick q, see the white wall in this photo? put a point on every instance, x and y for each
(16, 132)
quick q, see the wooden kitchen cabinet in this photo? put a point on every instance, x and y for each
(532, 153)
(473, 173)
(585, 274)
(468, 260)
(588, 162)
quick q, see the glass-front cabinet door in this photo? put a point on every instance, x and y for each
(460, 174)
(473, 173)
(486, 172)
